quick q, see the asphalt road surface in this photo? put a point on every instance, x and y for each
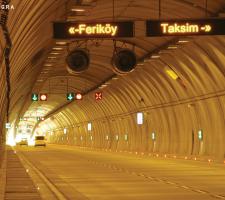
(80, 174)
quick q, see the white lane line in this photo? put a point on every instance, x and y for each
(51, 186)
(218, 196)
(171, 183)
(185, 187)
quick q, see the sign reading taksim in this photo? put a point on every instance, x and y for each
(185, 27)
(70, 30)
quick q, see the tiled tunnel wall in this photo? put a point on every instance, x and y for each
(176, 129)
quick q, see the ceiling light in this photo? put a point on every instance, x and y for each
(54, 53)
(51, 57)
(114, 78)
(183, 41)
(61, 43)
(77, 10)
(48, 65)
(57, 48)
(155, 56)
(172, 47)
(172, 74)
(40, 80)
(140, 64)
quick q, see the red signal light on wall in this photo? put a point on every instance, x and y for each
(98, 96)
(43, 97)
(79, 96)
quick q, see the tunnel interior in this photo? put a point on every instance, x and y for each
(172, 103)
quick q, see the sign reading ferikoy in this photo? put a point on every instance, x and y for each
(70, 30)
(185, 27)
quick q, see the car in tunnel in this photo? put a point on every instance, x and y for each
(40, 141)
(23, 141)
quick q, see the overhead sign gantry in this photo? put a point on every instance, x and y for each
(187, 27)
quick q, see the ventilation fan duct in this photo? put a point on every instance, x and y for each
(124, 61)
(78, 61)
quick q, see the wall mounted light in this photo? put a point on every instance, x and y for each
(140, 118)
(89, 126)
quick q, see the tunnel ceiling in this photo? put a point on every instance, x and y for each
(34, 70)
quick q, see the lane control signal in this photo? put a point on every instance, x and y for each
(43, 97)
(98, 96)
(34, 97)
(79, 96)
(70, 96)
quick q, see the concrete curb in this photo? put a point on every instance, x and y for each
(3, 175)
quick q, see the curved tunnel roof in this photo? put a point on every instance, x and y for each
(172, 108)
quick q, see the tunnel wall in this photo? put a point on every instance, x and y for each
(176, 110)
(173, 127)
(2, 93)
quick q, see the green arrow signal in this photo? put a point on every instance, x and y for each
(70, 96)
(34, 97)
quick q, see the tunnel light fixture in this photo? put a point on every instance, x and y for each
(91, 137)
(125, 137)
(155, 56)
(117, 137)
(200, 135)
(89, 126)
(77, 9)
(172, 47)
(140, 118)
(182, 41)
(52, 57)
(171, 73)
(54, 53)
(115, 78)
(65, 130)
(81, 138)
(153, 136)
(107, 137)
(140, 64)
(48, 65)
(57, 48)
(61, 43)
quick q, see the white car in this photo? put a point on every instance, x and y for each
(40, 141)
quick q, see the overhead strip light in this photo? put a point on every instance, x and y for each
(172, 74)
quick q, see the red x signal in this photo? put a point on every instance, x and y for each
(98, 96)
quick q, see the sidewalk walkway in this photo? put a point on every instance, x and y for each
(19, 185)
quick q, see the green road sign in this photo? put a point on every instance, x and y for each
(34, 97)
(70, 96)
